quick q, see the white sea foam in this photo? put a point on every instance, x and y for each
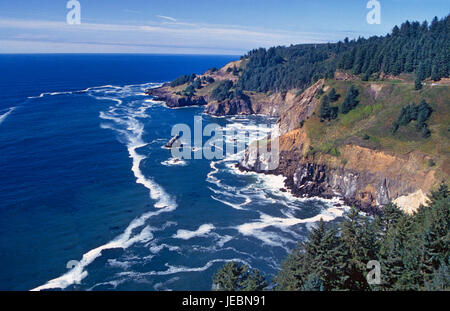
(181, 269)
(119, 264)
(131, 131)
(274, 183)
(202, 231)
(155, 249)
(125, 240)
(56, 93)
(224, 240)
(266, 188)
(233, 205)
(256, 228)
(113, 283)
(107, 89)
(5, 115)
(174, 162)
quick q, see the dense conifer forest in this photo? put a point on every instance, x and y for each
(420, 48)
(412, 250)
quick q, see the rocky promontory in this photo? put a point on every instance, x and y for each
(354, 155)
(173, 100)
(247, 103)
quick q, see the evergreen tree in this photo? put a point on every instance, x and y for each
(324, 108)
(189, 91)
(319, 93)
(182, 80)
(313, 283)
(229, 277)
(350, 100)
(435, 73)
(440, 280)
(391, 258)
(333, 96)
(412, 47)
(420, 113)
(254, 282)
(326, 112)
(418, 84)
(413, 251)
(235, 277)
(235, 71)
(294, 271)
(197, 84)
(359, 237)
(327, 250)
(388, 219)
(221, 92)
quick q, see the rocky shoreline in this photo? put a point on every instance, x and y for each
(368, 180)
(313, 182)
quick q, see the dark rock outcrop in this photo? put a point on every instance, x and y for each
(308, 179)
(369, 180)
(229, 107)
(172, 141)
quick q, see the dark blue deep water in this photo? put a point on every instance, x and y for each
(90, 200)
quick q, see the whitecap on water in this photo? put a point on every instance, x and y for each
(181, 269)
(174, 162)
(202, 231)
(130, 130)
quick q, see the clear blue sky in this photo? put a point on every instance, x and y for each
(196, 26)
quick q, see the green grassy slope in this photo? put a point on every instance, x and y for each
(370, 123)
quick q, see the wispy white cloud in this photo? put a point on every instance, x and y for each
(157, 37)
(167, 17)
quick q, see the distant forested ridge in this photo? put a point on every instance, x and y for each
(420, 48)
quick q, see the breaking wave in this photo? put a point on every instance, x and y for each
(125, 122)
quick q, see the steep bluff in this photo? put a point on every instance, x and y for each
(299, 108)
(363, 177)
(320, 158)
(331, 159)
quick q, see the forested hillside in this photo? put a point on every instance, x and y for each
(388, 119)
(420, 48)
(412, 250)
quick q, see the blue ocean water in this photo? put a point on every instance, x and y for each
(89, 199)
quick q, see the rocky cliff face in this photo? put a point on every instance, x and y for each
(367, 178)
(362, 176)
(229, 107)
(299, 108)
